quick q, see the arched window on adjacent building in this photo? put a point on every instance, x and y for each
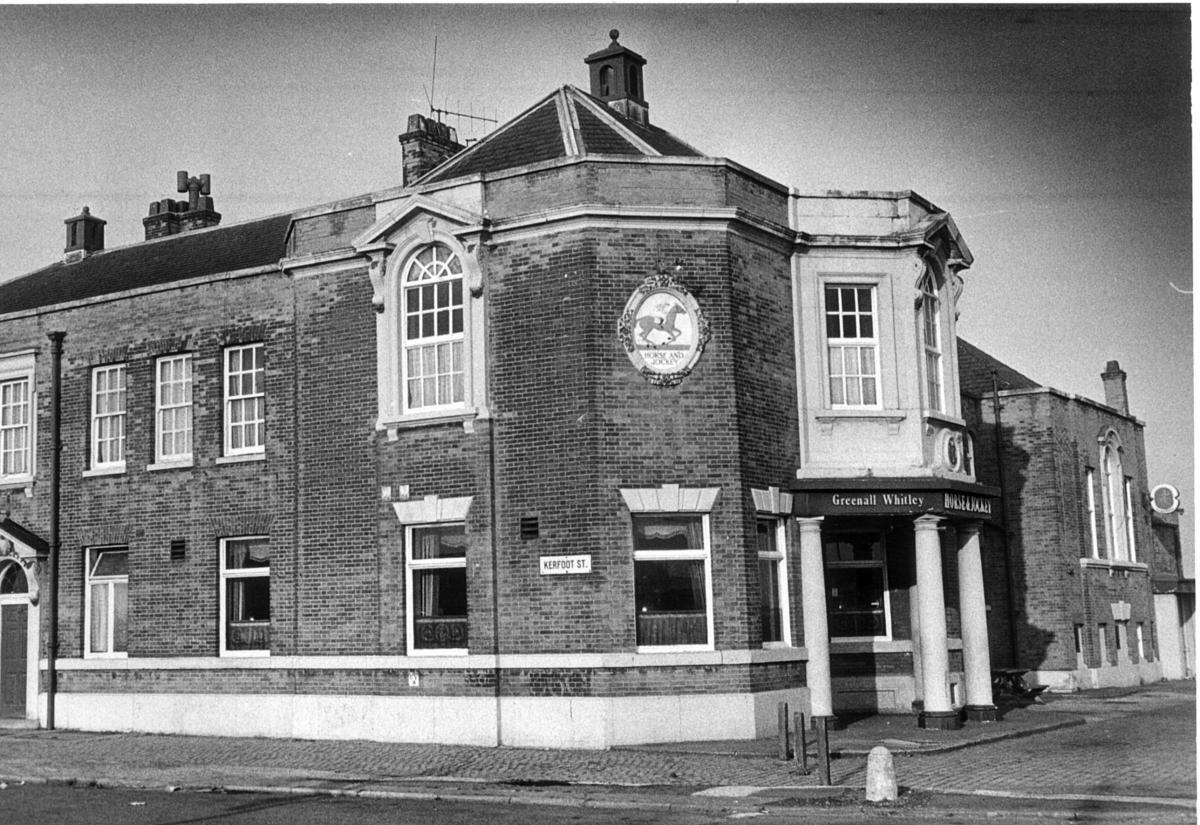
(432, 334)
(1115, 499)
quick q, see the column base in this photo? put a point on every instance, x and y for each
(981, 713)
(831, 723)
(939, 720)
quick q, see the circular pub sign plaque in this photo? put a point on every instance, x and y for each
(663, 330)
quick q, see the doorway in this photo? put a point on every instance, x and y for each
(14, 641)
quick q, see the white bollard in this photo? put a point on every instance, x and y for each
(881, 776)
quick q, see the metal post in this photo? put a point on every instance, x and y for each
(823, 749)
(782, 712)
(801, 742)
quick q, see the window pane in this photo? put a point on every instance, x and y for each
(772, 613)
(866, 327)
(243, 553)
(670, 602)
(120, 597)
(441, 542)
(248, 613)
(99, 618)
(668, 533)
(440, 608)
(864, 300)
(868, 391)
(855, 601)
(109, 562)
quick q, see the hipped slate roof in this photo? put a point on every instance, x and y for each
(565, 123)
(175, 258)
(975, 373)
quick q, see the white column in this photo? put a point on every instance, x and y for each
(935, 661)
(816, 617)
(972, 611)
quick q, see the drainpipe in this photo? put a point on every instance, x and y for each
(1014, 647)
(56, 349)
(495, 534)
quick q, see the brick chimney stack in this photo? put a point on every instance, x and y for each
(170, 217)
(1114, 387)
(616, 74)
(85, 235)
(425, 145)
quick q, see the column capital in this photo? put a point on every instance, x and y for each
(967, 529)
(810, 524)
(926, 522)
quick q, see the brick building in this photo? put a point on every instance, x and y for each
(1077, 552)
(576, 437)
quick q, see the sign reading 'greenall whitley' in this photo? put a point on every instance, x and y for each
(663, 330)
(894, 502)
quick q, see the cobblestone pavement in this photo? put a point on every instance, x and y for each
(1135, 744)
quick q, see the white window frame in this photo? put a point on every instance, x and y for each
(1102, 641)
(703, 554)
(845, 565)
(1140, 639)
(778, 556)
(110, 584)
(1130, 542)
(859, 344)
(1112, 477)
(165, 384)
(931, 328)
(1080, 655)
(1091, 506)
(17, 369)
(415, 276)
(412, 565)
(227, 575)
(230, 399)
(117, 417)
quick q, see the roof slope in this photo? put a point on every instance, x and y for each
(565, 123)
(975, 369)
(174, 258)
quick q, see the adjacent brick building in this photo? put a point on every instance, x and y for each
(577, 437)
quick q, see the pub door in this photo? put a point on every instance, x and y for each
(14, 625)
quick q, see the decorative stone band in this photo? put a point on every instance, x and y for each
(670, 498)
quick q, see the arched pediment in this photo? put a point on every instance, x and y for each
(25, 548)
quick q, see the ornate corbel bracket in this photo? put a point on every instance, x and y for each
(377, 255)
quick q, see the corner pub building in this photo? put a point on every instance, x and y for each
(577, 437)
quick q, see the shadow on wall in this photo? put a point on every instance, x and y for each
(1022, 568)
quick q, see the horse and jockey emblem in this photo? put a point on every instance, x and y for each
(663, 330)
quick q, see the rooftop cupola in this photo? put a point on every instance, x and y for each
(85, 234)
(616, 74)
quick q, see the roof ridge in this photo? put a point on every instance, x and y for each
(459, 159)
(606, 113)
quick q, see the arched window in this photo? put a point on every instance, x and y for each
(12, 580)
(432, 331)
(931, 339)
(607, 75)
(1116, 530)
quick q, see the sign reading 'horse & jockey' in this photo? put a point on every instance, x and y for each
(663, 330)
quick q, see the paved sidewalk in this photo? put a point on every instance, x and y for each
(1009, 757)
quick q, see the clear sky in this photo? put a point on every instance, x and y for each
(1059, 138)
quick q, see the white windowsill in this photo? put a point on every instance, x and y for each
(15, 482)
(1114, 564)
(105, 470)
(675, 648)
(861, 414)
(439, 653)
(426, 419)
(245, 654)
(178, 464)
(108, 656)
(240, 458)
